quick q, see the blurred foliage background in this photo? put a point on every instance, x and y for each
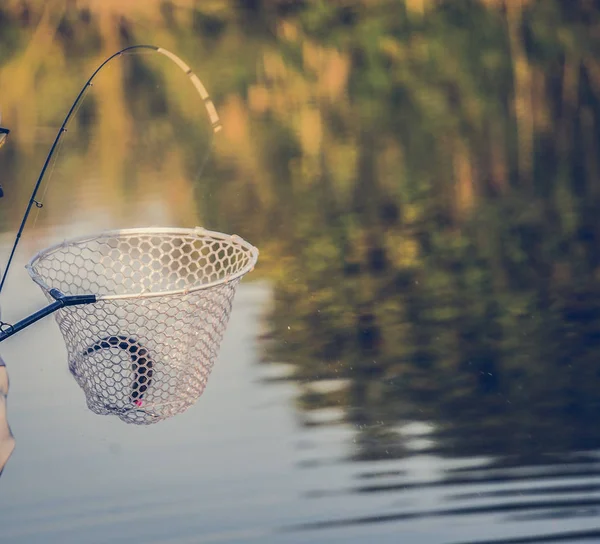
(421, 177)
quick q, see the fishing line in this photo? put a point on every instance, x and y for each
(40, 203)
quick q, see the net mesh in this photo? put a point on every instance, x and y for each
(145, 349)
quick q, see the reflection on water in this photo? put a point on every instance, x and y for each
(422, 180)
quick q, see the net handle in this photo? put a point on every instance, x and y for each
(197, 231)
(60, 301)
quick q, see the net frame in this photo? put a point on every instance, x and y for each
(197, 231)
(154, 358)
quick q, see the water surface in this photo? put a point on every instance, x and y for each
(416, 356)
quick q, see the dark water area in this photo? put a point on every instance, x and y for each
(416, 357)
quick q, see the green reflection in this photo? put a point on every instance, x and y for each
(421, 178)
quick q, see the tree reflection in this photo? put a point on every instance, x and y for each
(422, 179)
(453, 275)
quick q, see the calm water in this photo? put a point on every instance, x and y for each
(417, 356)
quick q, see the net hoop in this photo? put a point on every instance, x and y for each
(197, 232)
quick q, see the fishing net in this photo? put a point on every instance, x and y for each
(145, 349)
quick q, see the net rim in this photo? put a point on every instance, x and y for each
(196, 231)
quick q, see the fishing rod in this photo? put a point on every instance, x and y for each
(210, 108)
(61, 300)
